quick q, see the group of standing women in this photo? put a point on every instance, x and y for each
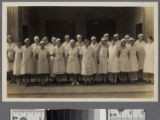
(81, 61)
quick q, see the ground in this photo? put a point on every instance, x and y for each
(132, 90)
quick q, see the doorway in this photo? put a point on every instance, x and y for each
(100, 27)
(59, 28)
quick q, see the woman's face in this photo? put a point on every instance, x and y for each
(9, 39)
(46, 40)
(132, 42)
(113, 41)
(87, 43)
(36, 39)
(106, 37)
(79, 39)
(103, 42)
(72, 44)
(93, 40)
(42, 45)
(140, 38)
(67, 38)
(59, 43)
(123, 43)
(116, 37)
(53, 41)
(27, 42)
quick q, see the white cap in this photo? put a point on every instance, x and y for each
(131, 39)
(126, 36)
(58, 39)
(42, 42)
(72, 41)
(106, 34)
(140, 35)
(93, 37)
(123, 40)
(26, 40)
(115, 35)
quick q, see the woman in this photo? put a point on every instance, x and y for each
(124, 62)
(51, 58)
(43, 63)
(27, 64)
(113, 61)
(95, 47)
(17, 62)
(126, 37)
(10, 58)
(88, 63)
(149, 60)
(35, 48)
(133, 57)
(116, 37)
(140, 43)
(73, 66)
(66, 46)
(47, 44)
(103, 60)
(80, 45)
(59, 62)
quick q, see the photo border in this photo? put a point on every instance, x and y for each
(79, 4)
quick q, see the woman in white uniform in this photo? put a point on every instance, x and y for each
(113, 61)
(43, 63)
(118, 41)
(35, 48)
(10, 58)
(126, 37)
(59, 62)
(124, 62)
(103, 60)
(149, 60)
(73, 66)
(133, 57)
(27, 63)
(88, 63)
(140, 43)
(66, 46)
(17, 62)
(80, 45)
(95, 47)
(51, 58)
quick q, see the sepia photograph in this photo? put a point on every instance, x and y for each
(79, 51)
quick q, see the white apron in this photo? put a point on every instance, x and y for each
(149, 58)
(43, 62)
(88, 63)
(59, 63)
(10, 55)
(35, 49)
(103, 60)
(73, 65)
(17, 61)
(27, 63)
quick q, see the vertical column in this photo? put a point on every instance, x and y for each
(148, 21)
(13, 22)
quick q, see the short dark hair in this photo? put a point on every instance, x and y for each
(150, 37)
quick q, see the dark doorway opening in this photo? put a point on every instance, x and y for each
(25, 32)
(138, 29)
(100, 27)
(59, 28)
